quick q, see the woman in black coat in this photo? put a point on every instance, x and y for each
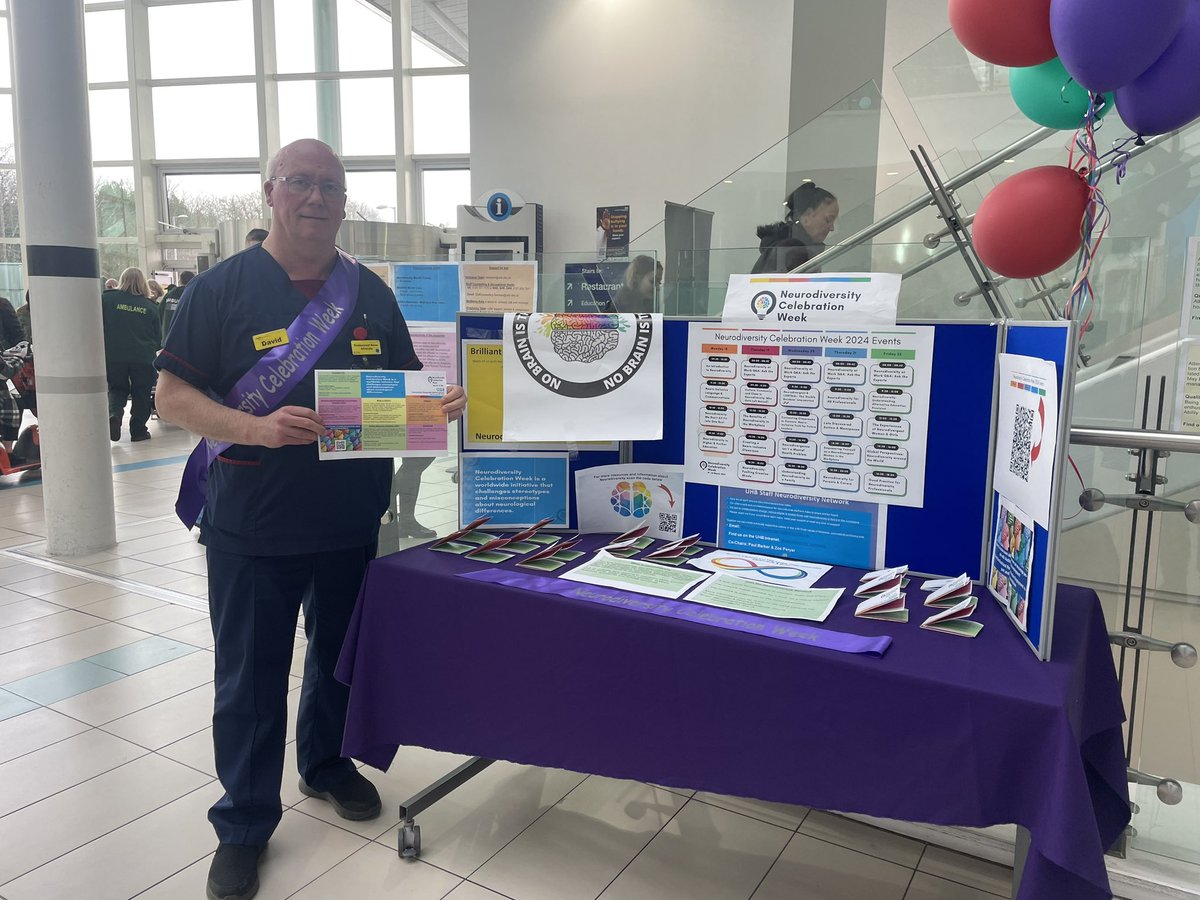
(812, 212)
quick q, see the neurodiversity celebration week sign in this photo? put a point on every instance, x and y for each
(516, 490)
(860, 299)
(582, 377)
(826, 412)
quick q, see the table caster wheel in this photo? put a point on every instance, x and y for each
(410, 840)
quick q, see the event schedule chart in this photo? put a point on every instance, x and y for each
(831, 413)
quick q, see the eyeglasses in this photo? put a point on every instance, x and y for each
(302, 185)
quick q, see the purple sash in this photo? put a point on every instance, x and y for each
(275, 374)
(729, 619)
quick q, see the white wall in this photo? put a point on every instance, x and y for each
(583, 103)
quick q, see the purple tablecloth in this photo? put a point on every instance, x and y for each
(942, 729)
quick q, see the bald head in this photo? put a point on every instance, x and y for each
(310, 148)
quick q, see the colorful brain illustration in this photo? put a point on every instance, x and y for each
(631, 498)
(582, 337)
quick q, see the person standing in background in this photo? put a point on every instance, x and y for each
(132, 338)
(170, 302)
(812, 212)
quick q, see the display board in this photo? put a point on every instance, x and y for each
(952, 531)
(957, 463)
(485, 455)
(1054, 342)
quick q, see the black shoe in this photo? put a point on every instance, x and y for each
(114, 428)
(233, 874)
(140, 436)
(353, 797)
(410, 528)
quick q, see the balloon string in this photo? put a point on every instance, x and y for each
(1097, 217)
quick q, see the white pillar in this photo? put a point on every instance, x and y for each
(62, 263)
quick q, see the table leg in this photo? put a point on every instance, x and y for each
(409, 842)
(1020, 851)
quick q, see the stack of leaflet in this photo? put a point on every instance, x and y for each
(953, 597)
(884, 593)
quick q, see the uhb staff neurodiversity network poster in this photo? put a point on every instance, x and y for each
(832, 412)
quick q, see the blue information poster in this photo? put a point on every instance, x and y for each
(516, 490)
(591, 287)
(426, 292)
(838, 532)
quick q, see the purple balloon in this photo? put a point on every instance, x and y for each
(1167, 95)
(1105, 44)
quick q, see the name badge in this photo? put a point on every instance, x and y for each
(365, 348)
(268, 339)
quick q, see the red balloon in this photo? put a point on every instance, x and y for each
(1004, 32)
(1031, 223)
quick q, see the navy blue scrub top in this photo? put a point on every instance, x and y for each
(280, 502)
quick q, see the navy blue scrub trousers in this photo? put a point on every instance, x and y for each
(254, 601)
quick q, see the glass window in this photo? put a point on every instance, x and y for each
(294, 47)
(427, 56)
(112, 133)
(177, 109)
(116, 214)
(198, 40)
(364, 37)
(441, 114)
(10, 226)
(297, 111)
(116, 257)
(368, 117)
(104, 36)
(207, 200)
(12, 274)
(371, 196)
(8, 138)
(442, 192)
(5, 57)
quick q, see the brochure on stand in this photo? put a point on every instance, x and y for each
(954, 620)
(888, 606)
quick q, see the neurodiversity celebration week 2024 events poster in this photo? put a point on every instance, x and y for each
(380, 413)
(834, 413)
(583, 377)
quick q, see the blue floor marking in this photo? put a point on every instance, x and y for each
(150, 463)
(35, 475)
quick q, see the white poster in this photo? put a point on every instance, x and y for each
(1191, 290)
(864, 299)
(828, 413)
(1187, 388)
(583, 377)
(1027, 434)
(618, 498)
(786, 573)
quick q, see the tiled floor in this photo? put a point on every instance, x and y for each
(106, 764)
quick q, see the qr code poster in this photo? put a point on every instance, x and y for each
(1027, 434)
(618, 498)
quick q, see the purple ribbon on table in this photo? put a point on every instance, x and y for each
(275, 374)
(729, 619)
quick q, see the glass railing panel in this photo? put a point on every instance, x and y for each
(1167, 728)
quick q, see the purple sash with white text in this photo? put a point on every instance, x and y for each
(273, 376)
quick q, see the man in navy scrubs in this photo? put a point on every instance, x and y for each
(282, 529)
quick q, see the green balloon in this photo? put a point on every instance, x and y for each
(1049, 96)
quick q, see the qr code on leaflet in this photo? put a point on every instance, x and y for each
(1022, 442)
(668, 522)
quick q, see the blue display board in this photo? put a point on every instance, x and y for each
(490, 328)
(1051, 341)
(957, 482)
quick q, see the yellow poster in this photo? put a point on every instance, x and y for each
(483, 419)
(483, 373)
(498, 287)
